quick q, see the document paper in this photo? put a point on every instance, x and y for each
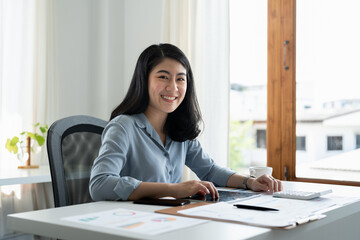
(290, 212)
(135, 221)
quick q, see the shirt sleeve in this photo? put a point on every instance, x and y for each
(205, 167)
(105, 180)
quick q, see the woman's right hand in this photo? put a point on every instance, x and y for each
(189, 188)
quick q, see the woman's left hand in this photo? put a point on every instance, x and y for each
(265, 183)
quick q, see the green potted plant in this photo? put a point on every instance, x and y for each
(21, 145)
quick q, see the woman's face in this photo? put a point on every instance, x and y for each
(167, 87)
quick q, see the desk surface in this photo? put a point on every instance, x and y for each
(24, 176)
(340, 223)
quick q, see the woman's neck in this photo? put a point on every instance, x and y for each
(158, 122)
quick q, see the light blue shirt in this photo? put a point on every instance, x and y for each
(132, 152)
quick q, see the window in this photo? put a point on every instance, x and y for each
(334, 113)
(301, 143)
(334, 143)
(17, 71)
(300, 34)
(260, 138)
(299, 66)
(248, 83)
(357, 141)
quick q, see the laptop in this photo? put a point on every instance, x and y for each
(225, 196)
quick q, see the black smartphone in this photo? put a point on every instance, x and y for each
(163, 202)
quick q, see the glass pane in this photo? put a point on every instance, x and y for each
(248, 79)
(328, 97)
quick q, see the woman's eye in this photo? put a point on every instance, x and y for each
(163, 77)
(181, 79)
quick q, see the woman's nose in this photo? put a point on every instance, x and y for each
(172, 85)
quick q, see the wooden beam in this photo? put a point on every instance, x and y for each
(281, 99)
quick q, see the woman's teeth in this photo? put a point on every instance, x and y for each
(169, 98)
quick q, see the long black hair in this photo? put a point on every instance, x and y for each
(182, 124)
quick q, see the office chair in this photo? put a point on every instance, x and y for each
(73, 144)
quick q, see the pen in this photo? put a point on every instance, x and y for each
(255, 207)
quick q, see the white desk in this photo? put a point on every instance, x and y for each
(24, 176)
(340, 223)
(11, 179)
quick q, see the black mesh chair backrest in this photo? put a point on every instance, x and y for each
(73, 144)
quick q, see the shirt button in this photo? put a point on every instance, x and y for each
(170, 172)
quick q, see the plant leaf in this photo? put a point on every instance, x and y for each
(10, 146)
(31, 135)
(14, 141)
(43, 130)
(40, 139)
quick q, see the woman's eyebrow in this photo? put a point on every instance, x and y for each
(163, 71)
(167, 72)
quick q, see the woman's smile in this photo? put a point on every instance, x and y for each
(168, 98)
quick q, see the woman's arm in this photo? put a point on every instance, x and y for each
(186, 189)
(262, 183)
(106, 183)
(176, 190)
(206, 169)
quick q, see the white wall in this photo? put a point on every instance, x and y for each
(143, 27)
(97, 44)
(72, 34)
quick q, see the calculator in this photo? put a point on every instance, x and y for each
(301, 195)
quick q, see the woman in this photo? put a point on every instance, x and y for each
(152, 135)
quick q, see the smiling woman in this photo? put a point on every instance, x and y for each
(152, 135)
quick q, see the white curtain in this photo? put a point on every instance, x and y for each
(201, 29)
(16, 68)
(45, 81)
(28, 93)
(27, 96)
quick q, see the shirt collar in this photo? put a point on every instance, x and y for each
(142, 122)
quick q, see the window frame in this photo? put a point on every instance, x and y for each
(281, 94)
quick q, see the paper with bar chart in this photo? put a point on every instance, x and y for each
(135, 221)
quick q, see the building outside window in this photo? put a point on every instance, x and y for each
(301, 143)
(357, 141)
(334, 143)
(261, 138)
